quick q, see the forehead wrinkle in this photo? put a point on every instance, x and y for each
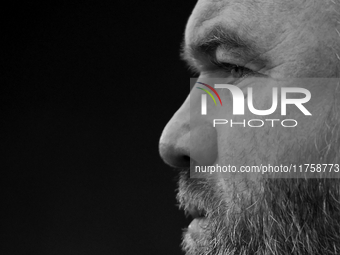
(208, 10)
(212, 8)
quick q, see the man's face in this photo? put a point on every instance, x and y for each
(292, 43)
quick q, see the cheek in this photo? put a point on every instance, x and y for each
(252, 139)
(239, 146)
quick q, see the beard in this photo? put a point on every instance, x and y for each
(275, 216)
(269, 216)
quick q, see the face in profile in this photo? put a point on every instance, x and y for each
(286, 44)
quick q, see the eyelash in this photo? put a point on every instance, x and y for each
(230, 69)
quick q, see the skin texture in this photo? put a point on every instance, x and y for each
(297, 41)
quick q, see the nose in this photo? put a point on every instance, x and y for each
(182, 141)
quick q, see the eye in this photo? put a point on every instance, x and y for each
(234, 70)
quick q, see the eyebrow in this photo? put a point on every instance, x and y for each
(230, 40)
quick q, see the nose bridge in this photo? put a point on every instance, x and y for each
(175, 137)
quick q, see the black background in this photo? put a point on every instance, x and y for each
(86, 89)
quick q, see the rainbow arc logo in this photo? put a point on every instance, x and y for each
(204, 97)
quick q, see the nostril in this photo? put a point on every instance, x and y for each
(184, 161)
(176, 157)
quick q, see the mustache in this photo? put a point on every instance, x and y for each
(209, 194)
(195, 193)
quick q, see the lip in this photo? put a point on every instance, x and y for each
(200, 221)
(195, 212)
(198, 225)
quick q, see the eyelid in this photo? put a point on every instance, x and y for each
(255, 63)
(229, 56)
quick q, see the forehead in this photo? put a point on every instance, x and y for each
(263, 20)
